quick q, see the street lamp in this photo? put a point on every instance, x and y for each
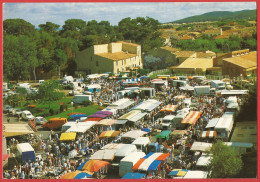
(72, 106)
(241, 80)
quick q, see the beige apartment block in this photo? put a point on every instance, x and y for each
(114, 57)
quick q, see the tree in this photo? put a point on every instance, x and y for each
(19, 57)
(49, 92)
(18, 27)
(60, 58)
(49, 27)
(225, 162)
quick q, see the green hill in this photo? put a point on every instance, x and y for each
(220, 15)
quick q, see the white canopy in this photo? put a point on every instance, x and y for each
(133, 134)
(203, 161)
(212, 123)
(141, 141)
(133, 157)
(224, 123)
(148, 105)
(201, 146)
(196, 175)
(81, 127)
(137, 117)
(107, 154)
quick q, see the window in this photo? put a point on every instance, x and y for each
(117, 63)
(96, 63)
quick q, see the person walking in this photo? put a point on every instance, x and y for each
(8, 119)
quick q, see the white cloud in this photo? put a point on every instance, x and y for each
(37, 13)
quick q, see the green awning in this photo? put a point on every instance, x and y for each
(164, 134)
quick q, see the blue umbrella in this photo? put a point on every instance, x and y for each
(146, 130)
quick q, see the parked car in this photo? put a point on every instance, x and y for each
(6, 108)
(17, 112)
(40, 120)
(27, 115)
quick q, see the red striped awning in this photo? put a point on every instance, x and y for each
(191, 118)
(208, 134)
(163, 156)
(136, 166)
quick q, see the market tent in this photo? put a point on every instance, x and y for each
(187, 87)
(108, 113)
(163, 134)
(133, 134)
(123, 121)
(191, 118)
(148, 105)
(208, 134)
(10, 130)
(150, 162)
(97, 116)
(178, 172)
(212, 123)
(146, 130)
(137, 117)
(129, 115)
(94, 165)
(203, 160)
(169, 108)
(106, 122)
(201, 146)
(92, 119)
(77, 175)
(107, 154)
(133, 176)
(67, 136)
(180, 132)
(109, 134)
(113, 146)
(196, 175)
(179, 97)
(81, 127)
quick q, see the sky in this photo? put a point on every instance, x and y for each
(40, 13)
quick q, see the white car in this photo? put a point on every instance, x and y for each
(40, 120)
(27, 115)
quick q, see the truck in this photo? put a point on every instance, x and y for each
(128, 162)
(55, 123)
(25, 152)
(124, 151)
(218, 85)
(141, 143)
(204, 90)
(179, 83)
(167, 122)
(149, 92)
(79, 99)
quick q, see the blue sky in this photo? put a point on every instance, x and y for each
(39, 13)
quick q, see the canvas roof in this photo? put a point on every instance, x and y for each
(202, 63)
(24, 147)
(184, 53)
(10, 130)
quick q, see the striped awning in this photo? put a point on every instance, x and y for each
(191, 118)
(150, 162)
(169, 108)
(208, 134)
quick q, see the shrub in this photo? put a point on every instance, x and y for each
(51, 111)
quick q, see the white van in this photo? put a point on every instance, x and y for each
(121, 153)
(141, 143)
(167, 122)
(127, 163)
(79, 99)
(27, 115)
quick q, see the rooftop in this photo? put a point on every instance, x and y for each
(205, 55)
(245, 61)
(184, 53)
(202, 63)
(117, 55)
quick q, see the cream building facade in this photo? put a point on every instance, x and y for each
(114, 57)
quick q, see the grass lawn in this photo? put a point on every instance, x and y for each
(91, 109)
